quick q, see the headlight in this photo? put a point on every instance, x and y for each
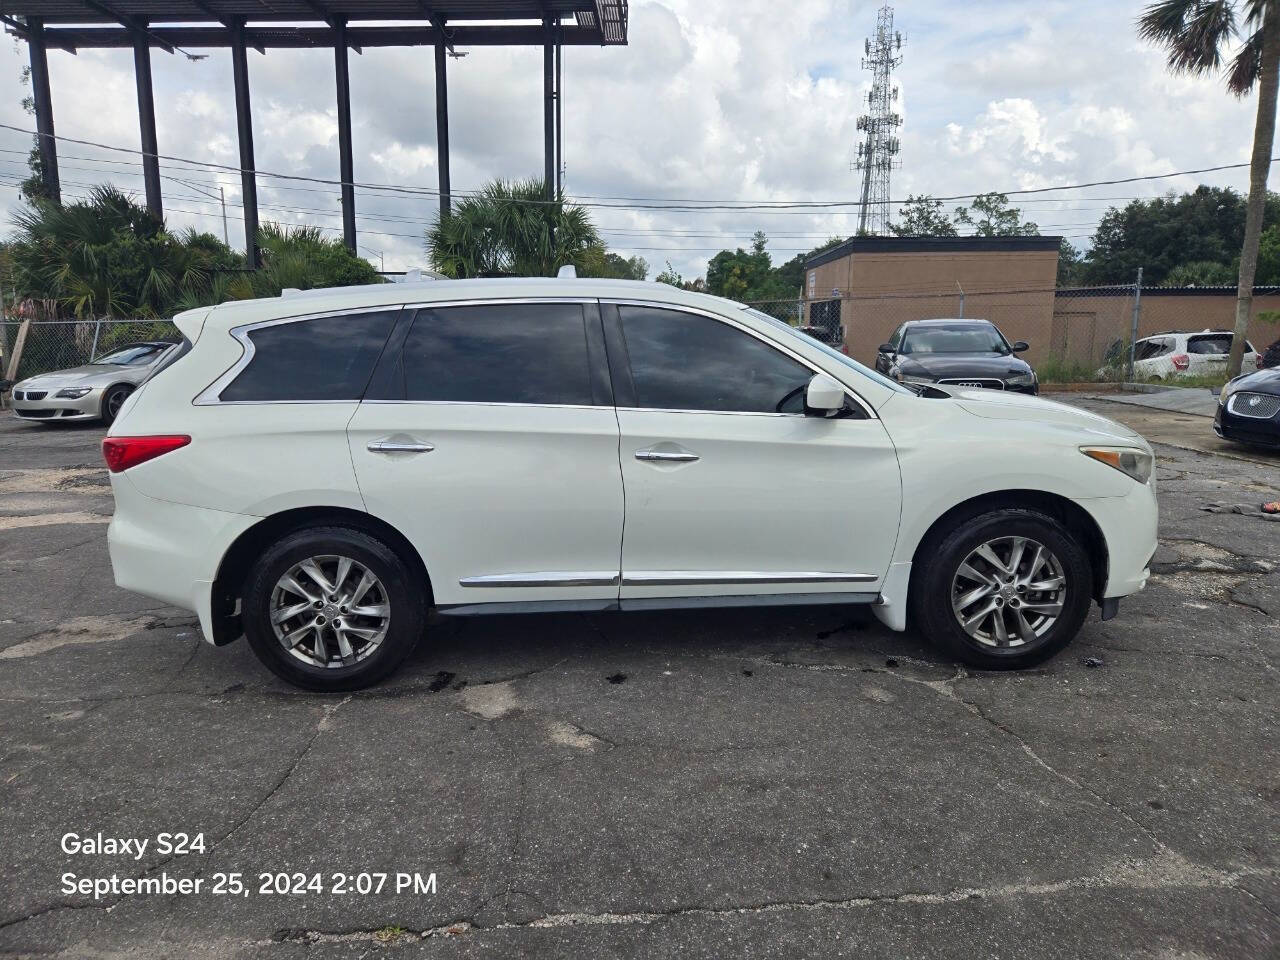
(1022, 380)
(1137, 464)
(1230, 387)
(72, 393)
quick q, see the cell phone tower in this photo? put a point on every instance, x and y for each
(878, 151)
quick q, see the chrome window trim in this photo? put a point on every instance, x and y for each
(208, 397)
(490, 403)
(738, 325)
(673, 578)
(545, 578)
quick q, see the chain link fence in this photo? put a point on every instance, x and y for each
(32, 347)
(1074, 334)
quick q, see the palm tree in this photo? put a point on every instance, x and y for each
(1196, 33)
(511, 229)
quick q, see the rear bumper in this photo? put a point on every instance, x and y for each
(170, 551)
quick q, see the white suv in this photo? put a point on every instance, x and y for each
(1168, 355)
(318, 470)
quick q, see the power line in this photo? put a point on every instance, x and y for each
(638, 203)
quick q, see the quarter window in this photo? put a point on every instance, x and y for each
(501, 353)
(327, 358)
(684, 361)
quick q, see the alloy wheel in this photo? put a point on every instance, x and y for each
(330, 611)
(1008, 592)
(116, 401)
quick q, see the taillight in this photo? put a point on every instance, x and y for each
(1181, 361)
(121, 453)
(844, 349)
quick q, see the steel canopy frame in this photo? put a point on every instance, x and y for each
(181, 25)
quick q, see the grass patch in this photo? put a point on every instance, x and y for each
(1061, 370)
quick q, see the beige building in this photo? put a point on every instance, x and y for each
(872, 284)
(869, 285)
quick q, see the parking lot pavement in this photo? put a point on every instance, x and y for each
(764, 784)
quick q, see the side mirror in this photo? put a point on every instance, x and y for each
(1020, 345)
(887, 348)
(824, 396)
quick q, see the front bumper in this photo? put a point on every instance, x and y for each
(50, 407)
(1250, 430)
(1129, 524)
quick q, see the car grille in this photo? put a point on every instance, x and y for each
(32, 395)
(1260, 406)
(37, 414)
(986, 383)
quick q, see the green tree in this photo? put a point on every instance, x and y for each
(511, 229)
(1200, 273)
(1196, 33)
(1206, 224)
(922, 216)
(623, 268)
(304, 258)
(1070, 264)
(107, 256)
(1269, 256)
(991, 216)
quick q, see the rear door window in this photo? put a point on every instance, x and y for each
(324, 358)
(534, 353)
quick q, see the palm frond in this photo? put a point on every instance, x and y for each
(1193, 31)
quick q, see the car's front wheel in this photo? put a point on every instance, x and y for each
(1004, 590)
(332, 608)
(113, 400)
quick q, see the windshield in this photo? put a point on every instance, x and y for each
(953, 338)
(136, 354)
(831, 352)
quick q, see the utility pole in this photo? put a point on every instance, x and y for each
(880, 123)
(1137, 313)
(222, 198)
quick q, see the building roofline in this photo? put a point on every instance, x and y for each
(1126, 289)
(855, 245)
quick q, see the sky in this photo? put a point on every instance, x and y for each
(737, 100)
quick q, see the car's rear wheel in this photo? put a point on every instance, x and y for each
(113, 400)
(1004, 590)
(332, 608)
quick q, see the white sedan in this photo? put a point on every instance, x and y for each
(319, 469)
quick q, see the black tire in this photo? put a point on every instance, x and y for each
(405, 596)
(932, 587)
(113, 400)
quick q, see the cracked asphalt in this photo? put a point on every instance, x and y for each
(740, 783)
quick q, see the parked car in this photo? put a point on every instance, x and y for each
(956, 353)
(831, 336)
(1165, 356)
(95, 391)
(319, 469)
(1249, 409)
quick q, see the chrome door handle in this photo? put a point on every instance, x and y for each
(668, 457)
(397, 446)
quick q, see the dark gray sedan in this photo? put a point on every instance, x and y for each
(94, 391)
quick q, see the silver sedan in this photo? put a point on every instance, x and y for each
(94, 391)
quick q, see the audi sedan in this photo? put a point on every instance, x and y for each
(956, 353)
(318, 470)
(95, 391)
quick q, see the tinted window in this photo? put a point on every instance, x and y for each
(501, 353)
(137, 354)
(1212, 344)
(1146, 349)
(328, 358)
(682, 361)
(954, 338)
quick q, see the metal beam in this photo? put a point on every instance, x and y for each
(287, 37)
(548, 105)
(147, 124)
(43, 101)
(559, 117)
(442, 119)
(130, 23)
(244, 130)
(346, 163)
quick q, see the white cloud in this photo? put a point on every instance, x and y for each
(712, 99)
